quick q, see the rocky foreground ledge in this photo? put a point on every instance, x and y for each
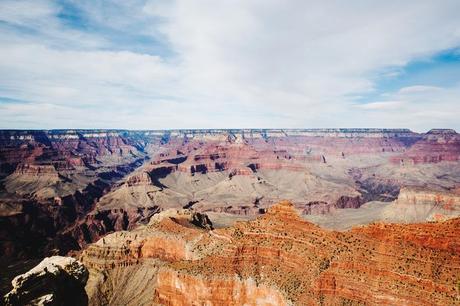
(56, 281)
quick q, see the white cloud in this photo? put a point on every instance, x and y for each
(381, 105)
(418, 107)
(418, 89)
(230, 64)
(26, 12)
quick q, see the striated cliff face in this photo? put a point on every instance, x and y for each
(276, 259)
(418, 205)
(63, 189)
(435, 146)
(173, 288)
(51, 180)
(66, 149)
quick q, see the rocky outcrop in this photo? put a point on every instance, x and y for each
(349, 202)
(324, 208)
(165, 237)
(277, 259)
(417, 205)
(142, 178)
(54, 281)
(36, 170)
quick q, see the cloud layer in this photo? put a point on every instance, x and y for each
(226, 64)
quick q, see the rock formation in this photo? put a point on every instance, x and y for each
(56, 281)
(276, 259)
(61, 190)
(50, 181)
(418, 205)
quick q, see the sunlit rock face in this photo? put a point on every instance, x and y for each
(276, 259)
(173, 288)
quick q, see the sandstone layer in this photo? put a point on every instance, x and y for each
(276, 259)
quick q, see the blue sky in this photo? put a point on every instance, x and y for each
(441, 69)
(228, 64)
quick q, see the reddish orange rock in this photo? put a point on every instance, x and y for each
(279, 259)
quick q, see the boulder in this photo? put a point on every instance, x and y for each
(56, 280)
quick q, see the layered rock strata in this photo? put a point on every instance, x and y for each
(63, 189)
(277, 259)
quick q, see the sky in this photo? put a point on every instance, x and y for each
(158, 64)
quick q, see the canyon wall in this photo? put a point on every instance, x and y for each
(63, 189)
(50, 181)
(276, 259)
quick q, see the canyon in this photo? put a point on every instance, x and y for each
(172, 207)
(276, 259)
(179, 258)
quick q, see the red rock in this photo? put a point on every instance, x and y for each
(279, 259)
